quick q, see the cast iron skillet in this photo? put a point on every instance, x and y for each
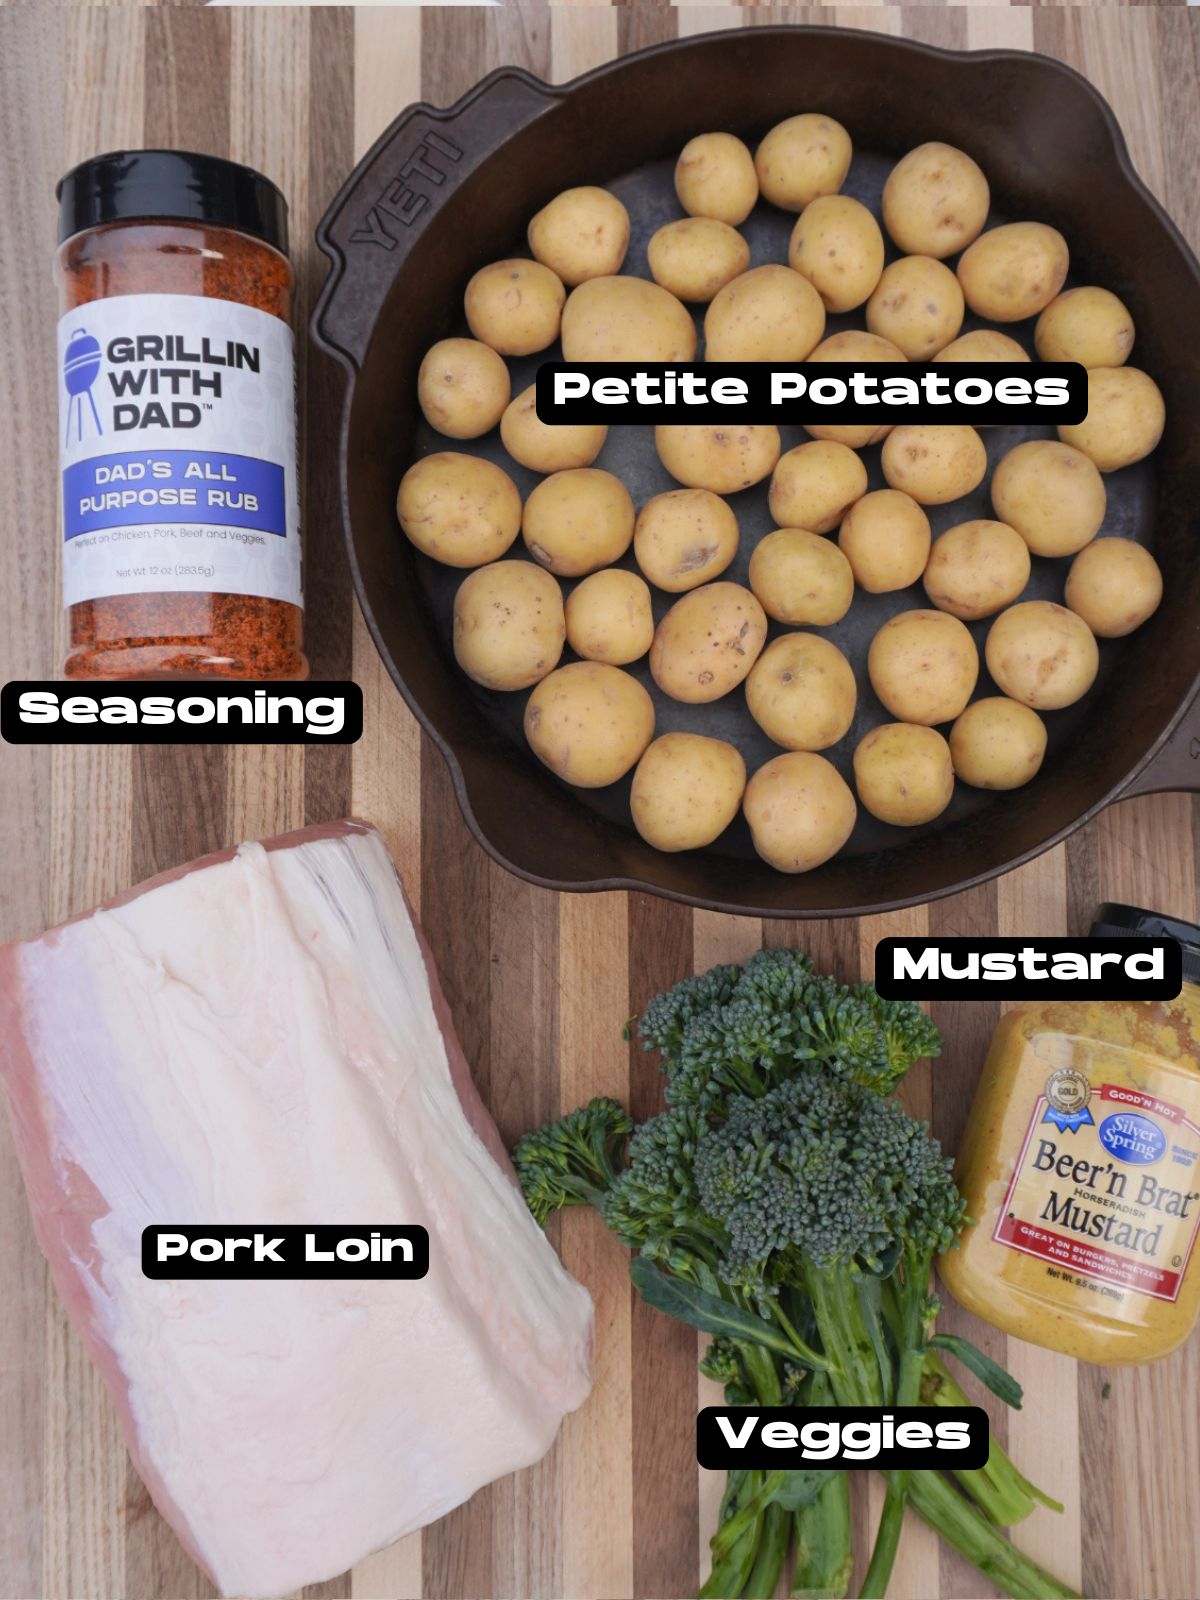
(445, 191)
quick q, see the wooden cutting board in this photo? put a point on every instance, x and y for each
(539, 984)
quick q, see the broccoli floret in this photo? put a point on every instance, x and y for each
(732, 1049)
(722, 1363)
(742, 1031)
(778, 979)
(794, 1172)
(661, 1025)
(654, 1206)
(819, 1182)
(572, 1162)
(839, 1030)
(908, 1033)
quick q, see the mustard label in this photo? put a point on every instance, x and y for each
(1105, 1189)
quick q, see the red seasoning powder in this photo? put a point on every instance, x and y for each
(181, 542)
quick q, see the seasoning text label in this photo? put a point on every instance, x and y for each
(177, 435)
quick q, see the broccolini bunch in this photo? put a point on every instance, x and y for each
(785, 1205)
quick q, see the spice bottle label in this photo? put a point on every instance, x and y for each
(1106, 1190)
(177, 431)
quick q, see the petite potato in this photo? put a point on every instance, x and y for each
(462, 388)
(1042, 655)
(768, 314)
(977, 568)
(903, 773)
(800, 577)
(856, 345)
(626, 319)
(515, 306)
(1114, 585)
(885, 537)
(609, 617)
(1088, 325)
(686, 791)
(934, 463)
(997, 743)
(1014, 271)
(684, 538)
(815, 485)
(715, 177)
(800, 809)
(508, 624)
(578, 521)
(707, 643)
(1125, 419)
(696, 257)
(459, 509)
(589, 723)
(583, 233)
(983, 344)
(548, 447)
(801, 159)
(801, 692)
(836, 244)
(724, 458)
(918, 305)
(1052, 494)
(935, 201)
(923, 665)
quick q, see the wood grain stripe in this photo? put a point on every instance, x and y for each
(330, 608)
(593, 1059)
(523, 1093)
(664, 1378)
(456, 911)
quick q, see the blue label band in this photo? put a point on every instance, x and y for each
(1069, 1121)
(203, 487)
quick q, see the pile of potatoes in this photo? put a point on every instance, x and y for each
(591, 721)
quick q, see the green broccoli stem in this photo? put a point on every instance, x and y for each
(962, 1525)
(842, 1320)
(849, 1343)
(774, 1537)
(751, 1537)
(1000, 1489)
(824, 1559)
(732, 1568)
(910, 1334)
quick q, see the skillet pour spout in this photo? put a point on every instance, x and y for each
(443, 192)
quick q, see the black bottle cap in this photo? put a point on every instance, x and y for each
(176, 185)
(1114, 920)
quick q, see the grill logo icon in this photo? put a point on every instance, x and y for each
(81, 368)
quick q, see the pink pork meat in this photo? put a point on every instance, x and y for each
(259, 1038)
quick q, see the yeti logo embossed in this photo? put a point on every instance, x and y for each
(404, 198)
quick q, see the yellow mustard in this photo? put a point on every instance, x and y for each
(1081, 1169)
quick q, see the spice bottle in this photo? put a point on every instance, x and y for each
(181, 536)
(1081, 1169)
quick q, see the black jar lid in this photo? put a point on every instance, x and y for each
(1114, 921)
(146, 185)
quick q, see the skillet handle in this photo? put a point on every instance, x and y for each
(397, 189)
(1175, 766)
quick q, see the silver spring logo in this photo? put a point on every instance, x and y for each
(81, 368)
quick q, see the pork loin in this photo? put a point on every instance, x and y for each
(259, 1038)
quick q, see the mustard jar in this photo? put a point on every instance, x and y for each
(1081, 1169)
